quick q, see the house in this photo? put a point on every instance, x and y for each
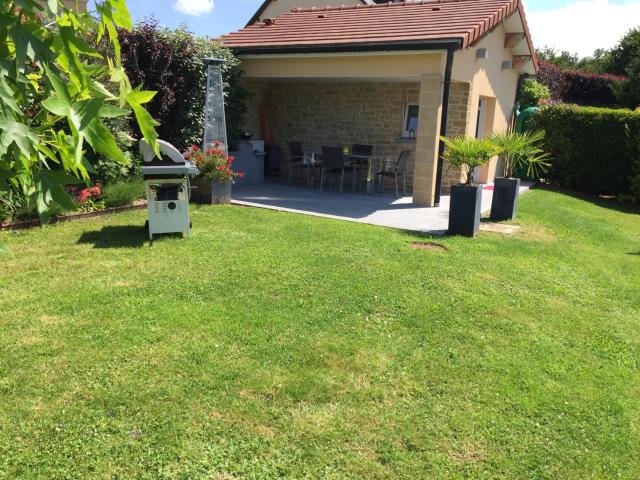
(396, 75)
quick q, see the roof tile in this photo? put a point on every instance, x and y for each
(423, 20)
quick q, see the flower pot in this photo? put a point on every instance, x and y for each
(505, 199)
(221, 193)
(211, 192)
(464, 211)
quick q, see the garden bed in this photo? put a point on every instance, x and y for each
(19, 225)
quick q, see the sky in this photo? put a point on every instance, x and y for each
(578, 26)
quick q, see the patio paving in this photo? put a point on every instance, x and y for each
(382, 210)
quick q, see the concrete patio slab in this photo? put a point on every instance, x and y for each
(381, 210)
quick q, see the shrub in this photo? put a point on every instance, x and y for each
(533, 93)
(122, 193)
(581, 88)
(593, 150)
(554, 79)
(172, 62)
(590, 88)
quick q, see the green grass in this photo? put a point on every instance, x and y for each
(272, 345)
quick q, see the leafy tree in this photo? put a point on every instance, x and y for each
(626, 53)
(626, 61)
(599, 62)
(54, 100)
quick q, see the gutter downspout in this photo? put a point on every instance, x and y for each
(443, 123)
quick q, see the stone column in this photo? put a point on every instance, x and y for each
(428, 139)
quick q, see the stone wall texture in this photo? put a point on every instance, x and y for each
(341, 113)
(459, 119)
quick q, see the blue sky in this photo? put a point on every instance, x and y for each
(563, 24)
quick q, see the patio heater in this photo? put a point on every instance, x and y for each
(215, 126)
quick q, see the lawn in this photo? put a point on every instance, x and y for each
(272, 345)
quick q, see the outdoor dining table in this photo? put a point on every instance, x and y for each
(311, 158)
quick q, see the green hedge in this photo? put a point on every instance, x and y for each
(594, 150)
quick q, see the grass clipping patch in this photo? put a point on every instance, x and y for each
(434, 247)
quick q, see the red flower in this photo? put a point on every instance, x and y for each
(195, 148)
(228, 173)
(239, 174)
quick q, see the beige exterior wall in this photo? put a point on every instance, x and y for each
(82, 4)
(377, 66)
(490, 82)
(280, 7)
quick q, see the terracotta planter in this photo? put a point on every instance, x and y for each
(211, 193)
(464, 211)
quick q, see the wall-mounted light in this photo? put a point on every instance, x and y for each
(482, 53)
(507, 65)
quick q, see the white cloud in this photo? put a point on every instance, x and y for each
(194, 7)
(583, 26)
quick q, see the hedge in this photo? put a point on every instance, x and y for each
(594, 150)
(571, 86)
(171, 62)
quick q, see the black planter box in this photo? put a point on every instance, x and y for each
(505, 199)
(464, 211)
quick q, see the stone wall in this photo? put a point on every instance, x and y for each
(333, 113)
(460, 112)
(338, 113)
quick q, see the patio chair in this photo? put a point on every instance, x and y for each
(361, 155)
(298, 160)
(334, 161)
(395, 169)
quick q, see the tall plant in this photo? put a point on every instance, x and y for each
(53, 98)
(520, 150)
(469, 152)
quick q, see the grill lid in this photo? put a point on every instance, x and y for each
(171, 162)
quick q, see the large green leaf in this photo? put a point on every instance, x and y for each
(121, 15)
(145, 121)
(111, 111)
(7, 95)
(102, 141)
(50, 190)
(80, 113)
(18, 133)
(28, 46)
(53, 6)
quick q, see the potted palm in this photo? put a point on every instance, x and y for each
(466, 198)
(216, 178)
(518, 151)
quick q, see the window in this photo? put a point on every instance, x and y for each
(410, 126)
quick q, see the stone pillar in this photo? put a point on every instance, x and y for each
(428, 140)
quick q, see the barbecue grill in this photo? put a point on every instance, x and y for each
(168, 189)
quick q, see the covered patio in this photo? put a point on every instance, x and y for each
(380, 210)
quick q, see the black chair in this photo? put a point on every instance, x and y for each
(333, 161)
(298, 160)
(361, 155)
(395, 169)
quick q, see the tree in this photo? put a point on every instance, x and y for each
(626, 61)
(54, 98)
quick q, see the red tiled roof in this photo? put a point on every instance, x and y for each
(465, 21)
